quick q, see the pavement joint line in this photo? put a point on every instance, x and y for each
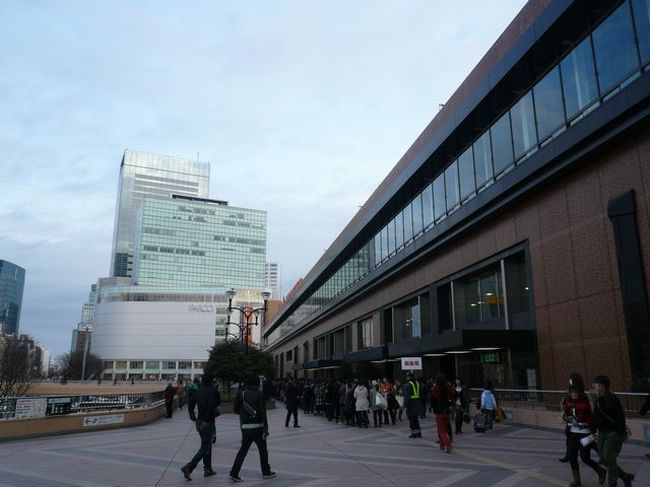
(178, 449)
(452, 479)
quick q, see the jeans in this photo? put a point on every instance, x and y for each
(248, 437)
(377, 416)
(609, 446)
(459, 412)
(205, 450)
(574, 447)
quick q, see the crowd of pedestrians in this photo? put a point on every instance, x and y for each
(597, 424)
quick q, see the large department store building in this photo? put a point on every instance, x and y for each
(512, 241)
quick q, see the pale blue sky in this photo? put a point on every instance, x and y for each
(302, 108)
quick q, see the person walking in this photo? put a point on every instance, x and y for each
(377, 402)
(250, 405)
(331, 399)
(461, 405)
(169, 399)
(442, 398)
(361, 405)
(388, 389)
(411, 391)
(489, 404)
(578, 417)
(206, 398)
(609, 419)
(292, 399)
(181, 393)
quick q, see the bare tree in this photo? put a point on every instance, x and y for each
(72, 365)
(15, 368)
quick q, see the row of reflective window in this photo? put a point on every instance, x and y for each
(613, 54)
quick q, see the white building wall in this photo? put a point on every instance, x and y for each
(153, 330)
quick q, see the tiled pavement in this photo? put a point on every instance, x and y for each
(320, 454)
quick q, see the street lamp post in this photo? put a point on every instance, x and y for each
(83, 363)
(247, 313)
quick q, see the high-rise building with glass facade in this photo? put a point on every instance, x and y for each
(12, 282)
(186, 242)
(273, 279)
(144, 175)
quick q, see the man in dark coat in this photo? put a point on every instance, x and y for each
(250, 405)
(292, 399)
(169, 399)
(207, 399)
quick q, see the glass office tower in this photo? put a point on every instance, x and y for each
(144, 175)
(12, 282)
(195, 243)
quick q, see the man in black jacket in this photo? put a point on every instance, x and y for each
(207, 398)
(609, 418)
(251, 407)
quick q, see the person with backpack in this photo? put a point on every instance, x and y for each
(206, 398)
(250, 405)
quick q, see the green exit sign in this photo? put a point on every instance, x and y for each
(491, 358)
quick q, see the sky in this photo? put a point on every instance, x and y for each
(301, 107)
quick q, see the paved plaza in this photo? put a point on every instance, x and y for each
(318, 454)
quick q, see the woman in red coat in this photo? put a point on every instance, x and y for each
(443, 397)
(580, 421)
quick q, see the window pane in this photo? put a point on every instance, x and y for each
(579, 78)
(427, 205)
(399, 231)
(548, 103)
(384, 243)
(466, 174)
(642, 19)
(615, 49)
(501, 143)
(451, 185)
(417, 214)
(408, 223)
(391, 236)
(377, 250)
(439, 196)
(523, 125)
(483, 160)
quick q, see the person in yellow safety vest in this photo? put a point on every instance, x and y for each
(411, 391)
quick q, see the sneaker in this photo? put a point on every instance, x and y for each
(296, 426)
(269, 475)
(187, 470)
(235, 478)
(209, 473)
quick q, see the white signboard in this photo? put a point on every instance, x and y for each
(33, 407)
(411, 363)
(102, 420)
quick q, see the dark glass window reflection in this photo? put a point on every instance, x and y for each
(615, 49)
(384, 243)
(501, 144)
(483, 160)
(466, 174)
(427, 205)
(548, 103)
(408, 223)
(439, 203)
(451, 185)
(642, 19)
(522, 115)
(579, 79)
(391, 237)
(417, 214)
(399, 231)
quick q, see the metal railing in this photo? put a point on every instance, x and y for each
(60, 405)
(551, 400)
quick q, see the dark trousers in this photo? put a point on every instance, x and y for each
(292, 409)
(574, 447)
(392, 413)
(414, 424)
(205, 450)
(248, 437)
(169, 406)
(362, 418)
(609, 446)
(377, 416)
(459, 412)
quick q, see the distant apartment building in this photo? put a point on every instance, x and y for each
(12, 283)
(144, 175)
